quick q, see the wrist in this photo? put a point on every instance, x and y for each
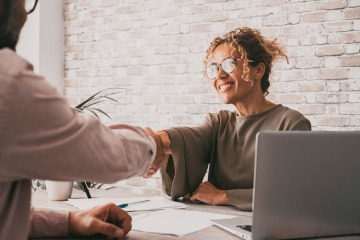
(223, 198)
(71, 224)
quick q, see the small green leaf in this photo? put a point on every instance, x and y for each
(101, 111)
(93, 112)
(97, 98)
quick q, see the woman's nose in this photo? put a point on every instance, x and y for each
(221, 73)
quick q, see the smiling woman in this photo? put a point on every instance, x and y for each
(238, 65)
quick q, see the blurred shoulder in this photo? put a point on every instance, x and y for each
(11, 63)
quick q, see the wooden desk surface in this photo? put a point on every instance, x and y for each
(39, 199)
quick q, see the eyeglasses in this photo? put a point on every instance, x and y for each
(30, 5)
(227, 65)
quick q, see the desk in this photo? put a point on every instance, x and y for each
(39, 199)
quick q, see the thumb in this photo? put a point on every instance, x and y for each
(108, 229)
(165, 142)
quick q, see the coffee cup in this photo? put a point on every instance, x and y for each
(58, 190)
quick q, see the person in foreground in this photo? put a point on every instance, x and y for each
(41, 137)
(238, 66)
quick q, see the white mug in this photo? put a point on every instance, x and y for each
(58, 190)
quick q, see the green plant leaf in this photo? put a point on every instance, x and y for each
(99, 110)
(93, 112)
(80, 105)
(97, 98)
(89, 104)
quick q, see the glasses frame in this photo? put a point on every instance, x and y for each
(220, 65)
(33, 8)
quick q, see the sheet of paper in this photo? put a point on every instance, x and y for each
(175, 221)
(155, 203)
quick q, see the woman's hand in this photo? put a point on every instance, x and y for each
(109, 220)
(207, 193)
(162, 150)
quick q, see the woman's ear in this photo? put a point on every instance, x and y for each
(259, 70)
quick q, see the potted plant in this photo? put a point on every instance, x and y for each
(89, 104)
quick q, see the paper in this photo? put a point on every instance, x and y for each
(175, 221)
(155, 203)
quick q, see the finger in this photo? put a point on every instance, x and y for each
(119, 217)
(150, 172)
(165, 141)
(115, 126)
(157, 140)
(124, 219)
(194, 197)
(107, 229)
(198, 198)
(149, 131)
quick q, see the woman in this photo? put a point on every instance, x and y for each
(239, 65)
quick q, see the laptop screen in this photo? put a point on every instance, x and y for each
(306, 184)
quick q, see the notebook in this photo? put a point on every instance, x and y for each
(306, 185)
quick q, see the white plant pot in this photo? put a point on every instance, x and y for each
(58, 190)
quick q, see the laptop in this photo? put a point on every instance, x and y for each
(306, 185)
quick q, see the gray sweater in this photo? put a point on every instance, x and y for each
(225, 143)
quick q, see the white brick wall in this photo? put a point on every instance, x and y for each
(154, 49)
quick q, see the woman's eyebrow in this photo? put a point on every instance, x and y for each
(214, 62)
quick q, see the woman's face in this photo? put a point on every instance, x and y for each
(231, 87)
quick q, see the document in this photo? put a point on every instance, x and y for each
(154, 203)
(175, 221)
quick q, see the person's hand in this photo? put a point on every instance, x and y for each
(160, 152)
(165, 141)
(115, 126)
(109, 220)
(207, 193)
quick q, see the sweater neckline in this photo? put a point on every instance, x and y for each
(258, 114)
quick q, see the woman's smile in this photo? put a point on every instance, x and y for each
(225, 86)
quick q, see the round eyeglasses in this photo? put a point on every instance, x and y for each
(228, 65)
(30, 5)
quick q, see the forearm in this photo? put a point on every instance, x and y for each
(84, 150)
(188, 162)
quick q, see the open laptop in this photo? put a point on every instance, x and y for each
(306, 185)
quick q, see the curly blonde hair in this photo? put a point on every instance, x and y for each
(251, 45)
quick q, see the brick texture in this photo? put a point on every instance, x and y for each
(154, 49)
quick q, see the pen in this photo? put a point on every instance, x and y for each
(124, 205)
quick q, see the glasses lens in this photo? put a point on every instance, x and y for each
(29, 5)
(211, 71)
(228, 65)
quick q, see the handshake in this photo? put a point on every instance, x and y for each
(163, 149)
